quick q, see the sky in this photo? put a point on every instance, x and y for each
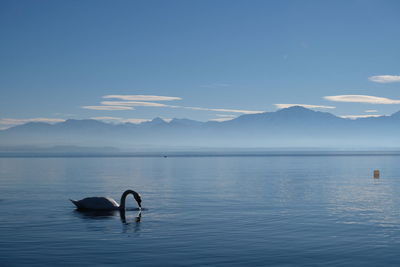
(130, 61)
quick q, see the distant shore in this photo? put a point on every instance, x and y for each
(210, 153)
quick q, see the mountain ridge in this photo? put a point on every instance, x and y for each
(294, 126)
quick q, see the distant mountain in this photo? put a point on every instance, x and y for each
(290, 127)
(185, 122)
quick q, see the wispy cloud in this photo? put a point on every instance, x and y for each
(106, 118)
(13, 122)
(371, 110)
(221, 119)
(131, 101)
(108, 107)
(133, 104)
(153, 104)
(142, 97)
(302, 105)
(132, 120)
(385, 78)
(119, 120)
(226, 110)
(362, 99)
(224, 117)
(353, 117)
(21, 121)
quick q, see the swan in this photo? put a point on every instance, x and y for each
(106, 203)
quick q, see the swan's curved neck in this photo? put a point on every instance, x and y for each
(123, 198)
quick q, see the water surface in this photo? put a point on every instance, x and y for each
(200, 211)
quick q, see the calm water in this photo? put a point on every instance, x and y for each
(201, 211)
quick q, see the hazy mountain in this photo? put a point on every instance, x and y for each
(290, 127)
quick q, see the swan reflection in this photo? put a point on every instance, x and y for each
(123, 217)
(108, 214)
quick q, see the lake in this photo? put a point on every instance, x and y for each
(281, 210)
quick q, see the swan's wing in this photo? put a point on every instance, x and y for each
(96, 203)
(112, 201)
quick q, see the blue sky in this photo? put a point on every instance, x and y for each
(217, 59)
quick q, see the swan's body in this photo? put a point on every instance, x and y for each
(96, 203)
(105, 203)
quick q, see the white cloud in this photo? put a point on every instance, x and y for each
(108, 107)
(225, 116)
(385, 78)
(106, 118)
(353, 117)
(302, 105)
(22, 121)
(143, 97)
(133, 103)
(221, 119)
(13, 122)
(129, 104)
(371, 110)
(152, 104)
(135, 120)
(362, 99)
(226, 110)
(119, 120)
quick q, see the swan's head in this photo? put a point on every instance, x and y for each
(138, 199)
(135, 195)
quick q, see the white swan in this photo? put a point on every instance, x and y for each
(106, 203)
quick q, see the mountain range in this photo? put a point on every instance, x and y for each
(292, 127)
